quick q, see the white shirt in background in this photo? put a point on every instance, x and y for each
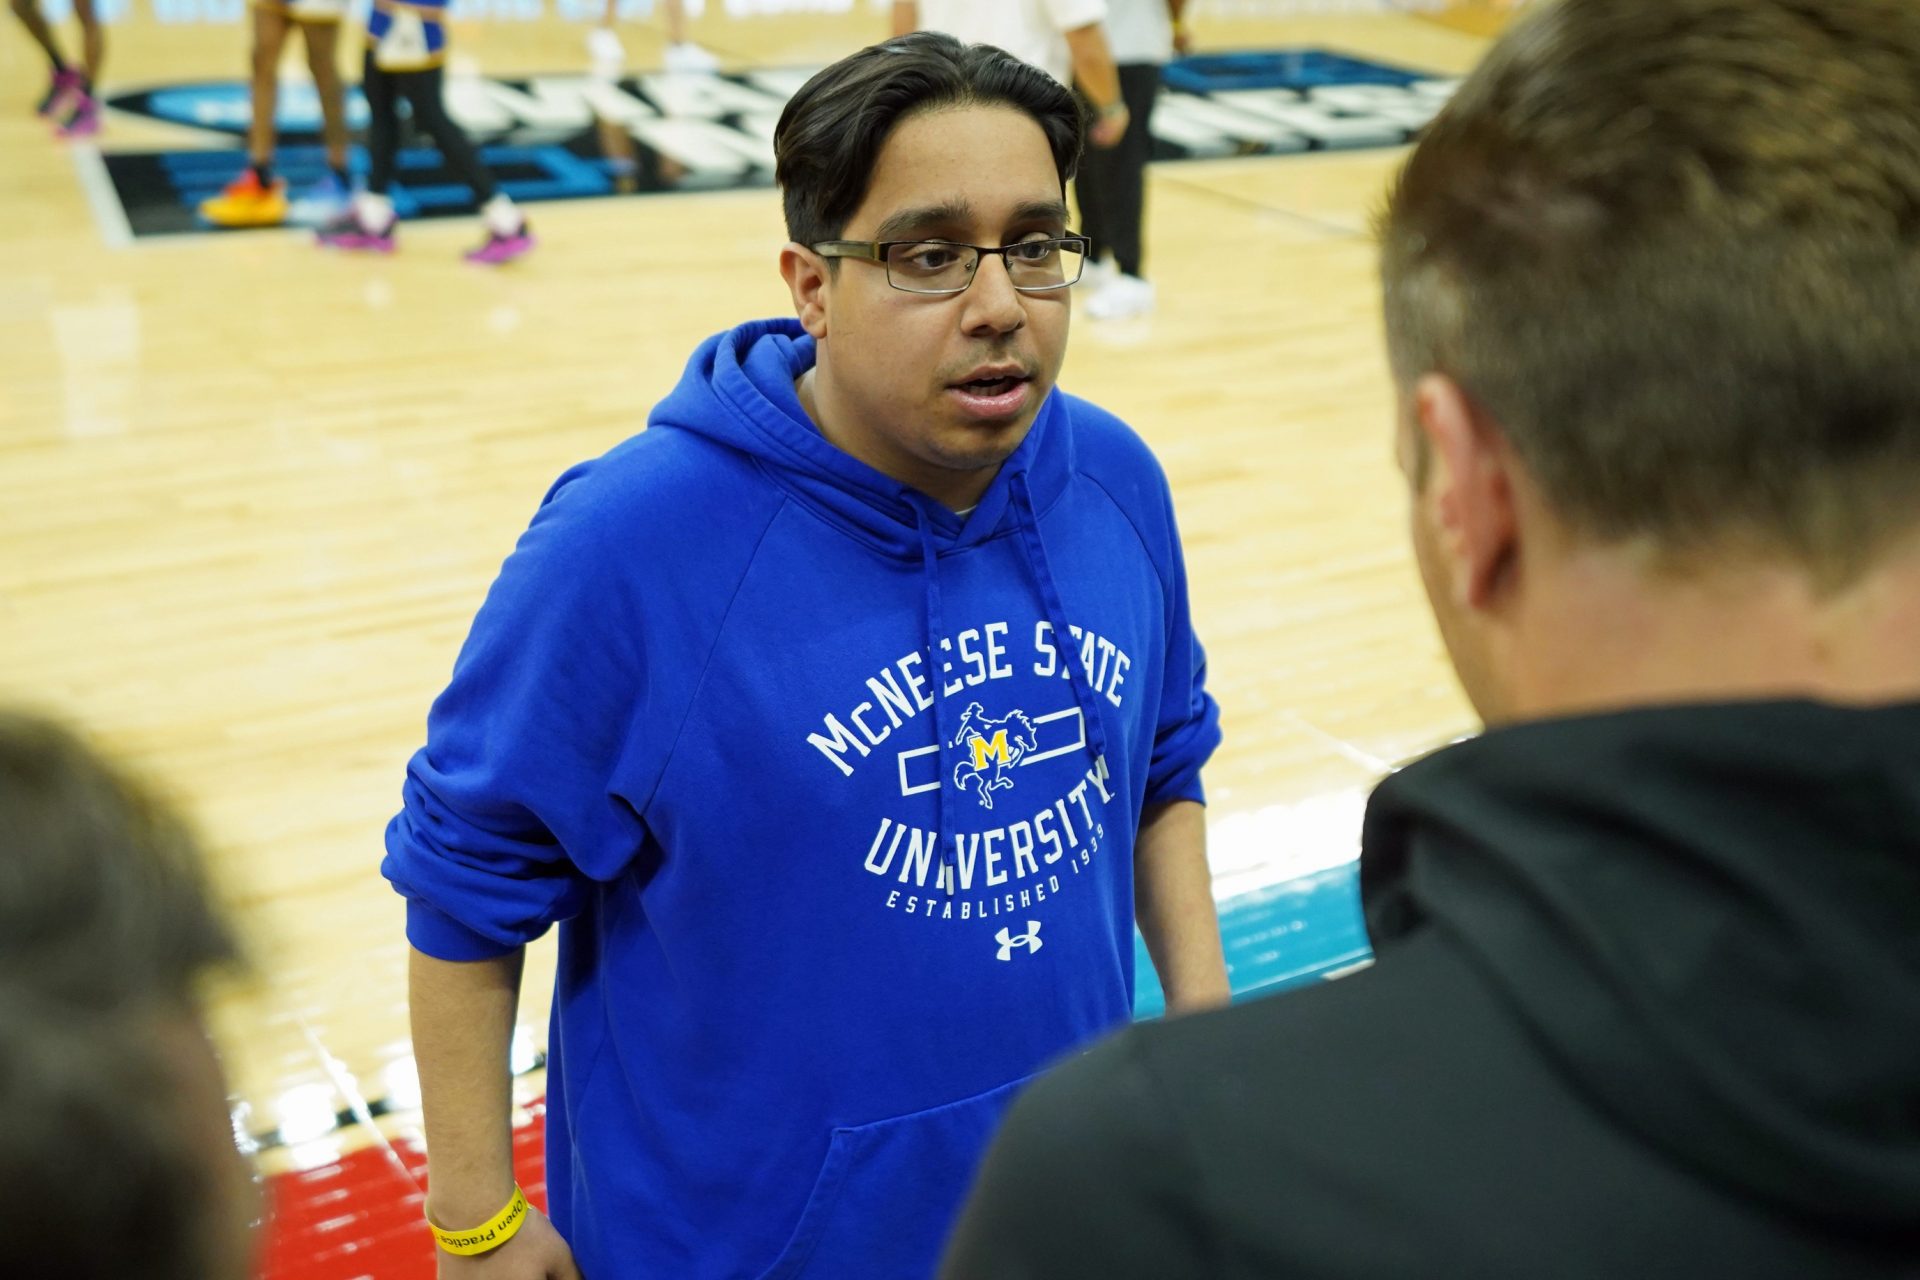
(1140, 31)
(1032, 30)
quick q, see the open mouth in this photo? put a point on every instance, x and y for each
(991, 386)
(999, 398)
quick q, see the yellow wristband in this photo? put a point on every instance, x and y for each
(490, 1234)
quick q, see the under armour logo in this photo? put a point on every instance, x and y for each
(1008, 941)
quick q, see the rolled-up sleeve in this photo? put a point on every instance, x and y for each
(522, 796)
(1187, 727)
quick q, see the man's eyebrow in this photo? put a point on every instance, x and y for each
(954, 213)
(957, 213)
(1042, 211)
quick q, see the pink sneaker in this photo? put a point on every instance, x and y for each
(502, 249)
(60, 93)
(346, 231)
(85, 120)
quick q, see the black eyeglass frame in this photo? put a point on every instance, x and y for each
(876, 251)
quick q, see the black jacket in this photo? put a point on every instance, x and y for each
(1646, 1004)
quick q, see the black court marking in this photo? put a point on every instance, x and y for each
(561, 137)
(1336, 230)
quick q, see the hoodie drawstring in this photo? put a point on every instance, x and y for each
(1028, 522)
(936, 634)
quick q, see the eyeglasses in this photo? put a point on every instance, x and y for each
(937, 266)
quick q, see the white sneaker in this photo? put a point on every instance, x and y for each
(690, 59)
(1095, 276)
(1121, 298)
(606, 56)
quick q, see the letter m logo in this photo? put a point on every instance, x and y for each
(994, 749)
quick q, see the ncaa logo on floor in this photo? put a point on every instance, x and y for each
(571, 136)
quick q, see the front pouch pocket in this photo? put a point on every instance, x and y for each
(888, 1193)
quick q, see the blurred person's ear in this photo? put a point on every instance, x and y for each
(1467, 494)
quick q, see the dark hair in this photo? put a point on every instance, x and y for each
(1673, 248)
(832, 130)
(110, 1164)
(104, 900)
(105, 1171)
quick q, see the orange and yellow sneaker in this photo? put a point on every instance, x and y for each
(246, 203)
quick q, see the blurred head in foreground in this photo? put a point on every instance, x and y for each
(119, 1157)
(1652, 287)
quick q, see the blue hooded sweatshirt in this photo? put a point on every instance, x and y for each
(834, 794)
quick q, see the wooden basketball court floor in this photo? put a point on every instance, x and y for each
(254, 494)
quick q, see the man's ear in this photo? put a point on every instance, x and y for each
(1470, 486)
(807, 279)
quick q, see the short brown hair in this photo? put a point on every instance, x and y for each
(1673, 248)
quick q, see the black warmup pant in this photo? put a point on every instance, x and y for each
(421, 89)
(1113, 182)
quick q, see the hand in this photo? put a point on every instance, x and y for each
(1183, 42)
(536, 1252)
(1109, 128)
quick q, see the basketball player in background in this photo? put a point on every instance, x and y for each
(70, 97)
(116, 1149)
(1112, 187)
(606, 63)
(406, 58)
(682, 56)
(1064, 38)
(258, 198)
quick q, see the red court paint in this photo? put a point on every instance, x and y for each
(360, 1219)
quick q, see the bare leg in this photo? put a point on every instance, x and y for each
(323, 43)
(269, 37)
(93, 36)
(683, 55)
(617, 145)
(28, 11)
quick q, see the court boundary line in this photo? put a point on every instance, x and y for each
(163, 239)
(108, 215)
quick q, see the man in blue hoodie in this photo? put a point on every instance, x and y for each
(844, 721)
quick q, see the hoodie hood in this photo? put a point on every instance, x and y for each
(1709, 917)
(738, 391)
